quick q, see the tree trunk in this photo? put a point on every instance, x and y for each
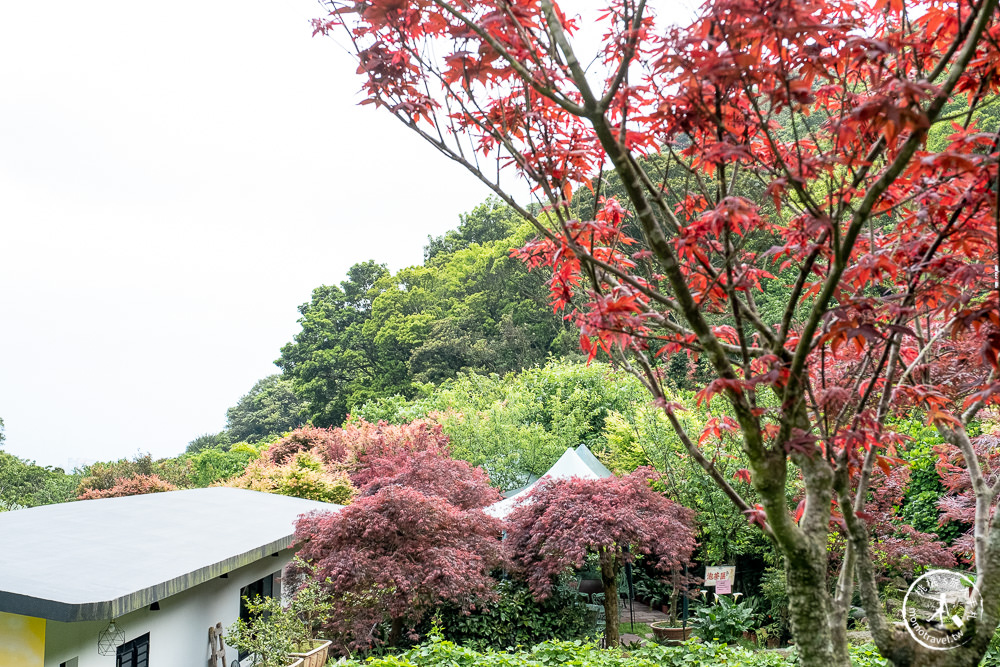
(395, 631)
(673, 597)
(809, 609)
(609, 579)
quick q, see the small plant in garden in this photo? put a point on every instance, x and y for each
(266, 635)
(725, 621)
(274, 631)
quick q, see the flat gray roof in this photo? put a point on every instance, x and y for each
(98, 559)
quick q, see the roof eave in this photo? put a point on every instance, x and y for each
(68, 612)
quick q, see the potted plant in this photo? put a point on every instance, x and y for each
(658, 593)
(266, 635)
(668, 634)
(309, 608)
(767, 636)
(284, 636)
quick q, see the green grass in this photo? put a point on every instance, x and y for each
(641, 629)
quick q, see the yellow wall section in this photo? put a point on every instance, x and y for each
(22, 641)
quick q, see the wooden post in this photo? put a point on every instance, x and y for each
(218, 658)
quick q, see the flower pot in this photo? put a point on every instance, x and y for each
(314, 657)
(669, 635)
(750, 636)
(665, 608)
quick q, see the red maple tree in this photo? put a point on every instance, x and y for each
(898, 548)
(391, 557)
(781, 213)
(960, 501)
(330, 444)
(562, 521)
(433, 473)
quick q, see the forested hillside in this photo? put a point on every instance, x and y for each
(470, 307)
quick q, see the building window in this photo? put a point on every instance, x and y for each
(265, 588)
(262, 587)
(134, 653)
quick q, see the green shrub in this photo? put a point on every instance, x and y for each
(724, 621)
(217, 465)
(274, 631)
(772, 588)
(992, 657)
(516, 619)
(924, 490)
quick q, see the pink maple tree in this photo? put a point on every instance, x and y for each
(563, 521)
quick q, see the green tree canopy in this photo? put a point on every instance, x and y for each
(470, 308)
(269, 409)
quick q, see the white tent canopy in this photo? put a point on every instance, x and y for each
(579, 462)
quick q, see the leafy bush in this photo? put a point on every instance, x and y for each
(992, 657)
(303, 476)
(213, 464)
(266, 635)
(772, 588)
(920, 504)
(441, 653)
(102, 476)
(25, 484)
(867, 655)
(724, 621)
(516, 618)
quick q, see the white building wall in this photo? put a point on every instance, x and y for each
(178, 631)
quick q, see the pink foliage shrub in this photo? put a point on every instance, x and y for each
(130, 486)
(898, 547)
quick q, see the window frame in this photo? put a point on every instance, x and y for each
(269, 586)
(132, 648)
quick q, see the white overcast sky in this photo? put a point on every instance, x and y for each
(175, 179)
